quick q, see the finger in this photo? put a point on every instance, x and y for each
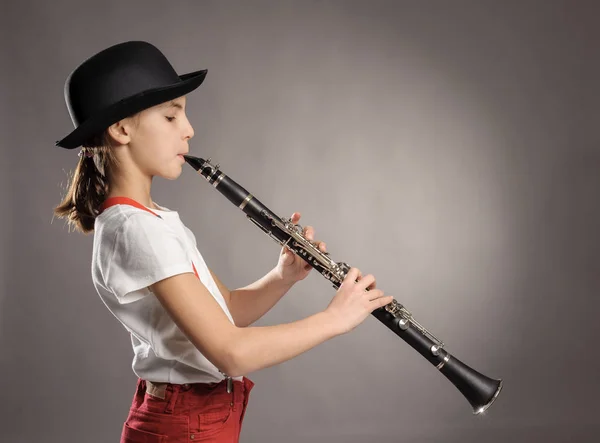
(287, 254)
(380, 302)
(351, 276)
(309, 232)
(295, 217)
(359, 277)
(366, 281)
(375, 294)
(322, 246)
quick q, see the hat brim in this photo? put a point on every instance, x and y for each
(129, 106)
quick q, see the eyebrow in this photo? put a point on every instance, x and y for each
(173, 104)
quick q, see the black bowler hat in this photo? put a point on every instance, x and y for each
(118, 82)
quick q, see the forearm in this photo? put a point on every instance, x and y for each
(250, 303)
(259, 347)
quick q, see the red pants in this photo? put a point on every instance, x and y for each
(199, 412)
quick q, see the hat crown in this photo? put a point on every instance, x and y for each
(115, 74)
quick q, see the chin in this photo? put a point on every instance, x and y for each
(173, 174)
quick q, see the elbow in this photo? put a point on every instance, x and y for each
(233, 361)
(235, 372)
(229, 365)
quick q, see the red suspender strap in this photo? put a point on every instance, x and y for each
(124, 201)
(195, 272)
(129, 201)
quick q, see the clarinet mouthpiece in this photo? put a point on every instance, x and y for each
(194, 162)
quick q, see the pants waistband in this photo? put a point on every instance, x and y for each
(237, 389)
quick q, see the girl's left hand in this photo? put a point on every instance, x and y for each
(292, 268)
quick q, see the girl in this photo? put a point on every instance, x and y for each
(192, 338)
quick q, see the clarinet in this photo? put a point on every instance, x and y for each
(479, 390)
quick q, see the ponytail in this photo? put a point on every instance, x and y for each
(89, 184)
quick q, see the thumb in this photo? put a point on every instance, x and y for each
(288, 256)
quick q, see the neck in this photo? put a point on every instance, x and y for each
(139, 194)
(129, 181)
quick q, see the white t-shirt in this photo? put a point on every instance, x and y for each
(133, 249)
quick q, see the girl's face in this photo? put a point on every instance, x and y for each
(160, 138)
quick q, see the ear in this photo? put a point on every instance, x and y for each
(121, 131)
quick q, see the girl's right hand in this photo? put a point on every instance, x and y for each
(352, 303)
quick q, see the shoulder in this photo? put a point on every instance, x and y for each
(190, 234)
(123, 223)
(118, 216)
(136, 245)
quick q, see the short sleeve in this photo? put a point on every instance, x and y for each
(146, 250)
(190, 235)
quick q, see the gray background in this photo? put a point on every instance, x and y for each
(448, 147)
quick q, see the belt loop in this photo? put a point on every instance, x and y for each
(141, 387)
(172, 398)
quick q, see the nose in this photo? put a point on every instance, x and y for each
(189, 133)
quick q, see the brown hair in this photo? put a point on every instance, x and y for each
(89, 183)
